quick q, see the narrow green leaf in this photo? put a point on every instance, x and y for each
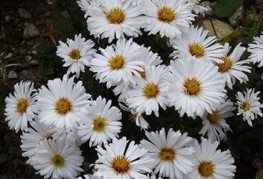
(3, 158)
(225, 8)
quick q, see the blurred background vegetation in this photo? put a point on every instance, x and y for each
(30, 31)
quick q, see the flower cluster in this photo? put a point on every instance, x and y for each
(60, 117)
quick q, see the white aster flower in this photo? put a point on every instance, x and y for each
(89, 176)
(118, 63)
(20, 106)
(114, 19)
(101, 124)
(122, 159)
(197, 7)
(120, 89)
(232, 67)
(256, 50)
(150, 92)
(194, 87)
(139, 119)
(150, 59)
(171, 152)
(135, 116)
(136, 2)
(249, 105)
(57, 159)
(210, 163)
(196, 44)
(85, 5)
(76, 54)
(167, 17)
(154, 176)
(35, 134)
(214, 123)
(62, 103)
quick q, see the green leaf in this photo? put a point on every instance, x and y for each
(3, 158)
(225, 8)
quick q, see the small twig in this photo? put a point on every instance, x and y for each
(51, 38)
(3, 32)
(213, 28)
(13, 64)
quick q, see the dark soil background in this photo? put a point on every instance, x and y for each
(22, 35)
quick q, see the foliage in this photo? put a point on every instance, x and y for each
(6, 62)
(225, 8)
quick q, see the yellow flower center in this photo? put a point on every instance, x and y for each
(99, 124)
(166, 14)
(151, 90)
(167, 154)
(197, 50)
(58, 161)
(63, 106)
(21, 105)
(245, 106)
(116, 62)
(226, 65)
(120, 164)
(206, 169)
(116, 16)
(213, 117)
(75, 55)
(192, 87)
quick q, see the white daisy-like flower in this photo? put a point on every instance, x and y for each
(62, 103)
(114, 19)
(89, 176)
(139, 119)
(101, 124)
(122, 159)
(171, 152)
(167, 17)
(136, 2)
(135, 116)
(232, 67)
(36, 133)
(150, 59)
(118, 63)
(150, 92)
(249, 105)
(58, 159)
(197, 7)
(196, 44)
(85, 6)
(256, 50)
(154, 176)
(194, 87)
(214, 123)
(20, 106)
(120, 89)
(76, 54)
(210, 162)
